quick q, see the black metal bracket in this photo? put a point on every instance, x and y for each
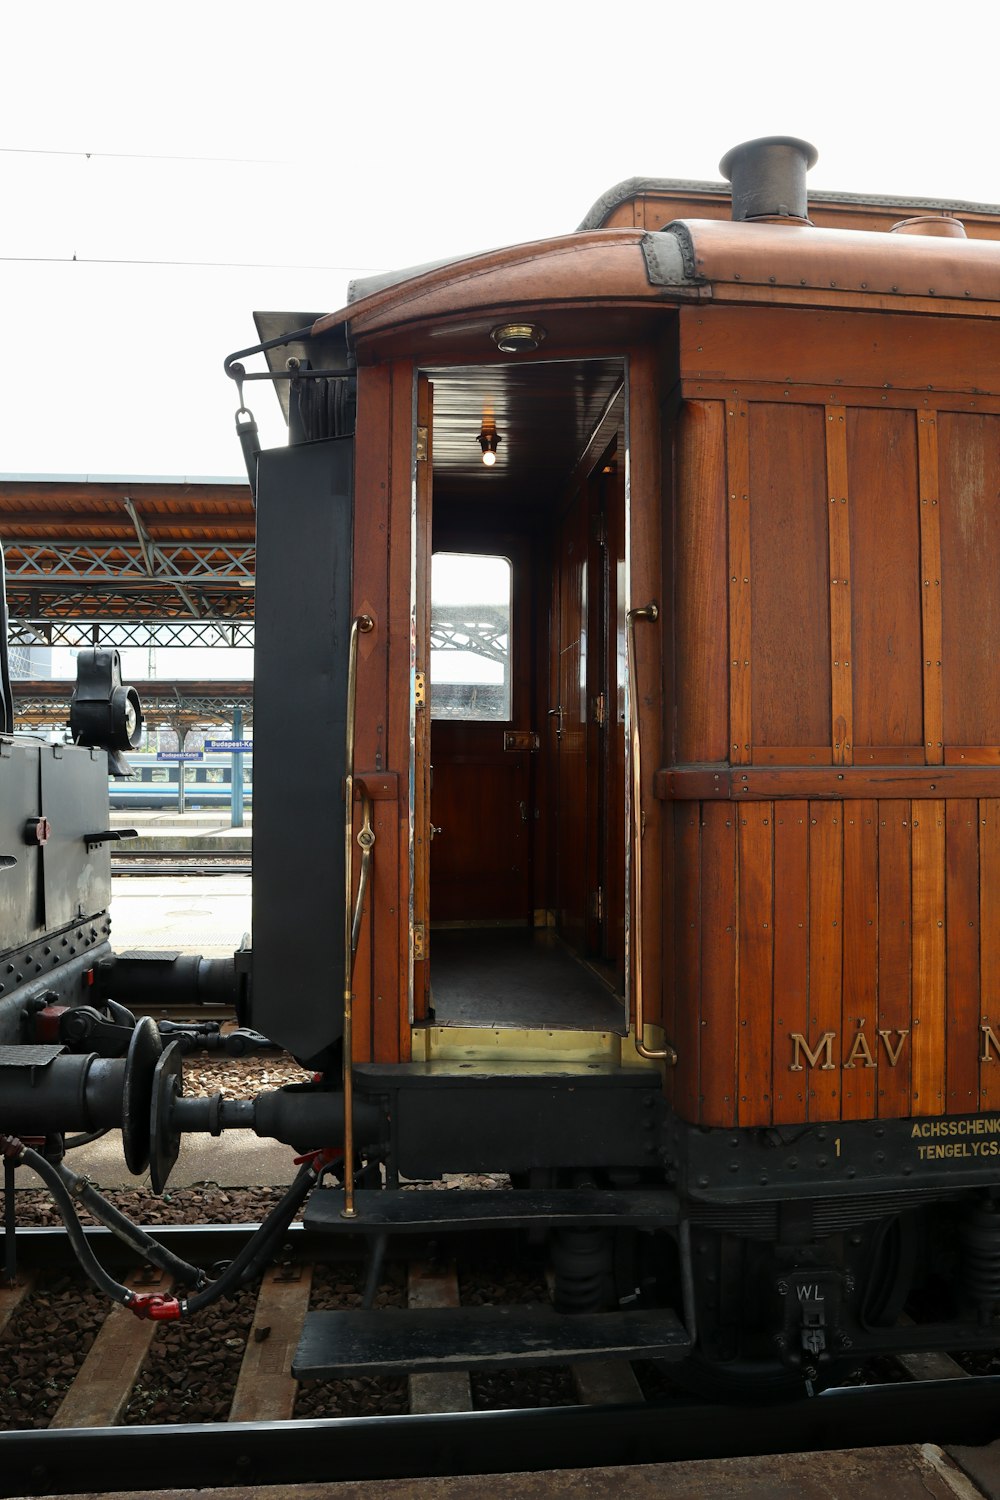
(109, 836)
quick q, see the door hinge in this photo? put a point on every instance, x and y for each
(600, 710)
(419, 942)
(423, 444)
(597, 904)
(419, 689)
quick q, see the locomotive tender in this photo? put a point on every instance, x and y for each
(640, 586)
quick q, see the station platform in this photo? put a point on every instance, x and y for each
(207, 914)
(195, 829)
(900, 1473)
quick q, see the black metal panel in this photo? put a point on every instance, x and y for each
(300, 693)
(20, 914)
(916, 1158)
(76, 881)
(440, 1210)
(393, 1341)
(505, 1123)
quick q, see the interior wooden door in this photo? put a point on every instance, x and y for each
(481, 802)
(586, 728)
(568, 726)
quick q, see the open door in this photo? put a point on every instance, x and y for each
(519, 840)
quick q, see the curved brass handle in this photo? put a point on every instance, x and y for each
(667, 1054)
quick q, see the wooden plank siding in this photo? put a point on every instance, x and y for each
(837, 869)
(827, 919)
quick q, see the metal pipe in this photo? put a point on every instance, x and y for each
(667, 1053)
(361, 625)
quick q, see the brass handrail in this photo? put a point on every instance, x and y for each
(667, 1053)
(352, 918)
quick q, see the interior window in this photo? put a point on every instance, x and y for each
(470, 636)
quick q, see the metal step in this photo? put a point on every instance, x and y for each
(398, 1341)
(438, 1210)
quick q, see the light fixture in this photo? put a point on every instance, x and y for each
(517, 338)
(489, 441)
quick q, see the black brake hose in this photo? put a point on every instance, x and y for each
(255, 1252)
(130, 1234)
(81, 1248)
(260, 1247)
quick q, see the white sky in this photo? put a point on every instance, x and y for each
(382, 135)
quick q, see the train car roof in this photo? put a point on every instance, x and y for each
(933, 266)
(630, 202)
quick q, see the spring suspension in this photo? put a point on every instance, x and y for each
(583, 1270)
(980, 1242)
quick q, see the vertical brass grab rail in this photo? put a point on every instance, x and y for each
(352, 918)
(667, 1053)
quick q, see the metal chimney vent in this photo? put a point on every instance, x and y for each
(768, 177)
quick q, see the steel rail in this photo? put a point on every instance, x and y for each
(55, 1462)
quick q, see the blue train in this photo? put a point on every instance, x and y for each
(207, 782)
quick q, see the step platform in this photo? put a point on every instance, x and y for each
(439, 1210)
(411, 1342)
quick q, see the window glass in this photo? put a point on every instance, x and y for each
(470, 636)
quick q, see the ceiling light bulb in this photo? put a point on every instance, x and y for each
(489, 441)
(489, 458)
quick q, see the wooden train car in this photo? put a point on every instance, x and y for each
(652, 570)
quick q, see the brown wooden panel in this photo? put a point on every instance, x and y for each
(928, 1005)
(756, 967)
(841, 653)
(740, 582)
(789, 548)
(807, 393)
(792, 755)
(826, 911)
(860, 960)
(687, 948)
(388, 995)
(842, 348)
(371, 569)
(970, 565)
(972, 755)
(930, 569)
(701, 593)
(372, 593)
(894, 950)
(791, 954)
(718, 965)
(884, 588)
(760, 782)
(962, 897)
(989, 909)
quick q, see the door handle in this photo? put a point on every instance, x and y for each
(434, 829)
(557, 714)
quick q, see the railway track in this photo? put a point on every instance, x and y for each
(109, 1415)
(168, 862)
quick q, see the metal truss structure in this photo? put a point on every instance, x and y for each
(42, 704)
(121, 633)
(128, 563)
(482, 629)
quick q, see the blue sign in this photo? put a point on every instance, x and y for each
(180, 755)
(237, 746)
